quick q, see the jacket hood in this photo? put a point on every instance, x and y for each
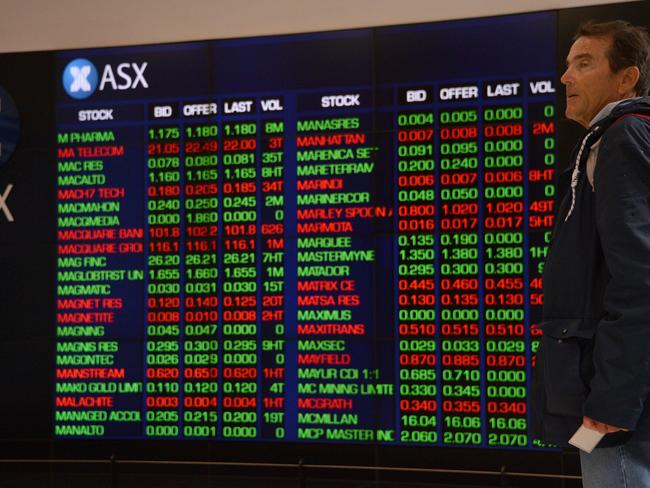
(638, 106)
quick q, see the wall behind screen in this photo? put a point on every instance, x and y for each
(35, 25)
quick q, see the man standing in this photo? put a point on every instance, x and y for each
(593, 365)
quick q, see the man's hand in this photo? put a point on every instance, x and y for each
(600, 426)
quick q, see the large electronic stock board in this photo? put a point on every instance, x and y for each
(332, 237)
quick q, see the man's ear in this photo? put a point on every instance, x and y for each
(629, 80)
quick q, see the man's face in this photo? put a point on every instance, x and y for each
(590, 82)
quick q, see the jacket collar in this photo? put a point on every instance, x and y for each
(640, 105)
(607, 109)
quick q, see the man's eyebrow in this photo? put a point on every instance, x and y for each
(579, 57)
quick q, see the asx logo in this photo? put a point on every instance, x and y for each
(81, 79)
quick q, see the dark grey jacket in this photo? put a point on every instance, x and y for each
(594, 356)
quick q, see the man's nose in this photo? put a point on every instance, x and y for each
(566, 77)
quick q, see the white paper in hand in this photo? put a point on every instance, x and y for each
(586, 439)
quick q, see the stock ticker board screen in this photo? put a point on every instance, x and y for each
(327, 238)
